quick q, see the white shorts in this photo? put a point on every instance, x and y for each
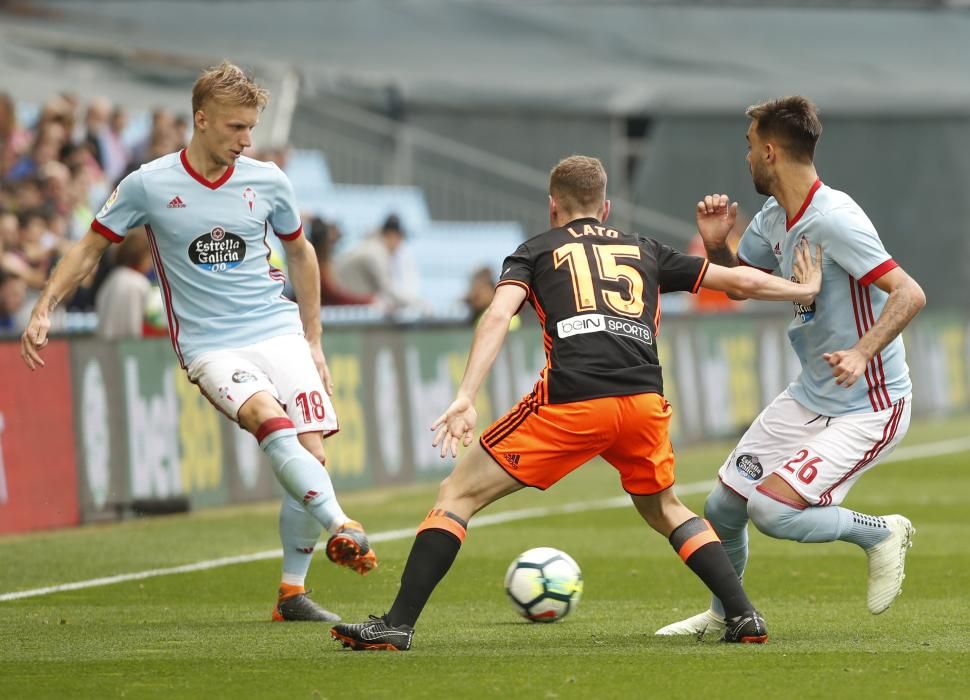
(818, 456)
(282, 366)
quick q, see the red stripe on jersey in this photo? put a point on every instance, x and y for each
(858, 326)
(877, 272)
(808, 200)
(106, 232)
(289, 236)
(888, 433)
(542, 388)
(878, 359)
(211, 184)
(173, 320)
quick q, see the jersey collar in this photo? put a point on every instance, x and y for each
(808, 200)
(211, 184)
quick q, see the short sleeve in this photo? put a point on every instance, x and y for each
(517, 269)
(678, 272)
(754, 250)
(849, 238)
(285, 216)
(124, 209)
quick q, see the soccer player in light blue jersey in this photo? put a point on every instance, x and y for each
(208, 211)
(850, 406)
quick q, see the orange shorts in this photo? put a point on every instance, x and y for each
(539, 445)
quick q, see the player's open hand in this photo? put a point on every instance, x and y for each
(454, 425)
(316, 352)
(847, 365)
(808, 271)
(715, 218)
(34, 340)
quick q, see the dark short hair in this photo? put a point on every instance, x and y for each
(392, 224)
(793, 121)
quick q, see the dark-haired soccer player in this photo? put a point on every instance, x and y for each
(850, 406)
(596, 292)
(254, 354)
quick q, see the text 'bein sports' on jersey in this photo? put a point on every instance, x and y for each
(217, 250)
(595, 323)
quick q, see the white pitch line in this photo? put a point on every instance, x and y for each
(386, 536)
(933, 449)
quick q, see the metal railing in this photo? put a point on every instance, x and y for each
(461, 182)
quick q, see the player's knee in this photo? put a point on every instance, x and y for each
(726, 511)
(771, 517)
(449, 490)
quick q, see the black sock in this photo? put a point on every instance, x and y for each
(698, 545)
(432, 554)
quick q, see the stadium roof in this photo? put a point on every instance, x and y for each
(591, 58)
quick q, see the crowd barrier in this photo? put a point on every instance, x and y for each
(107, 430)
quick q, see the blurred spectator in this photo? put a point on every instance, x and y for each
(37, 247)
(46, 149)
(122, 300)
(379, 266)
(14, 140)
(324, 237)
(181, 130)
(481, 289)
(115, 155)
(162, 127)
(13, 294)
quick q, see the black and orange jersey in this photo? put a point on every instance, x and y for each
(596, 291)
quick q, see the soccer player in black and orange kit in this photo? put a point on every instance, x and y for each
(596, 292)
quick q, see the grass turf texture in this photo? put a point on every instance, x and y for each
(207, 634)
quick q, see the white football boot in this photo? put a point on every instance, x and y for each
(886, 562)
(708, 622)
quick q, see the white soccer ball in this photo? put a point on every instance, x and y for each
(544, 584)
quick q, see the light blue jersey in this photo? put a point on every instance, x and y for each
(209, 245)
(852, 258)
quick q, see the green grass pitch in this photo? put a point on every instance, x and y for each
(207, 634)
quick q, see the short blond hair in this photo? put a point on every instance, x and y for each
(230, 84)
(578, 183)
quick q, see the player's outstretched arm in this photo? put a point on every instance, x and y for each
(458, 422)
(750, 283)
(77, 264)
(906, 298)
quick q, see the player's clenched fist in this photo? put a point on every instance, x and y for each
(847, 365)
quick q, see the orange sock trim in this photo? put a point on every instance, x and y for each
(443, 520)
(288, 590)
(697, 541)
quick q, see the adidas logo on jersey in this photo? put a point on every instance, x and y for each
(512, 459)
(176, 203)
(777, 249)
